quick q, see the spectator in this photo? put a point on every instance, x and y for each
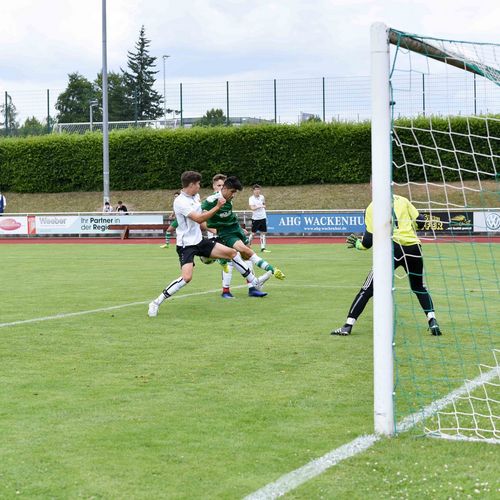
(107, 207)
(122, 208)
(3, 203)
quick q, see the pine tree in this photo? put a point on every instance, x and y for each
(140, 80)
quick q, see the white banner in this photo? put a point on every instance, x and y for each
(14, 225)
(487, 222)
(87, 224)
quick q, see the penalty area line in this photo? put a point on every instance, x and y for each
(292, 480)
(103, 309)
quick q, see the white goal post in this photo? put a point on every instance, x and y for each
(447, 160)
(382, 230)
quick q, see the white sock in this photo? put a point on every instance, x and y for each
(226, 277)
(350, 321)
(242, 268)
(262, 241)
(249, 263)
(430, 315)
(174, 287)
(259, 262)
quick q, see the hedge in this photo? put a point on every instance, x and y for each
(273, 155)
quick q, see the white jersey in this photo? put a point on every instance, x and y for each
(258, 201)
(188, 232)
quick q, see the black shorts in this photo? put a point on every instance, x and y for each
(203, 248)
(259, 226)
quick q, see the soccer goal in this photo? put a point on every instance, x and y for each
(436, 141)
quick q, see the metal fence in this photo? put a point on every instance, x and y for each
(291, 101)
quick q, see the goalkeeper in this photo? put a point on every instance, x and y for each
(407, 253)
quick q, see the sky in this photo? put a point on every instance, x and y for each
(219, 40)
(248, 42)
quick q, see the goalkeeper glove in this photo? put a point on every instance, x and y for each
(354, 242)
(168, 235)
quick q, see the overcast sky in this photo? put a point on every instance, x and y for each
(41, 42)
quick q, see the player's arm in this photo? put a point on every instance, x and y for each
(363, 243)
(204, 216)
(366, 241)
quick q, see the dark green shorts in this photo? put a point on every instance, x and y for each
(231, 236)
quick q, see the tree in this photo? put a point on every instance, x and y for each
(120, 108)
(212, 118)
(9, 117)
(140, 80)
(73, 105)
(32, 126)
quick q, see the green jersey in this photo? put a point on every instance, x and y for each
(224, 218)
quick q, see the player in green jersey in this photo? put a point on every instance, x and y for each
(229, 231)
(172, 227)
(227, 266)
(407, 253)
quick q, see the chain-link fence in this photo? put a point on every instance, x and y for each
(278, 101)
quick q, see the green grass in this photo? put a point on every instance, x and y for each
(312, 197)
(211, 399)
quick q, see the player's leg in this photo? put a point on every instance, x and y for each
(263, 246)
(221, 251)
(168, 234)
(357, 307)
(414, 266)
(186, 257)
(227, 274)
(253, 291)
(250, 255)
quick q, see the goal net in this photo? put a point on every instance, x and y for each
(444, 159)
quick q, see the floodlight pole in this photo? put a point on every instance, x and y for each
(383, 312)
(105, 131)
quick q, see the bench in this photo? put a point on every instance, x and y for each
(127, 227)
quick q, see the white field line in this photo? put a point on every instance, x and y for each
(316, 467)
(103, 309)
(293, 479)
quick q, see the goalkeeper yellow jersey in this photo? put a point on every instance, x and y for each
(403, 221)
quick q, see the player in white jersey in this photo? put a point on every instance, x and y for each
(190, 242)
(257, 204)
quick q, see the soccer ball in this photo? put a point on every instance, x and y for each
(207, 260)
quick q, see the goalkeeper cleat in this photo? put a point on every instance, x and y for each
(227, 295)
(164, 246)
(434, 327)
(153, 309)
(254, 292)
(279, 274)
(343, 330)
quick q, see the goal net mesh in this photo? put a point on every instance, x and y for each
(445, 161)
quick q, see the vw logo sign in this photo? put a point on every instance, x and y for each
(493, 221)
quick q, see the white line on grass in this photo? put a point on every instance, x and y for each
(293, 479)
(103, 309)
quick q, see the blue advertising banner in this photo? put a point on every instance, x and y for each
(315, 222)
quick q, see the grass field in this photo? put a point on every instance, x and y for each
(213, 398)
